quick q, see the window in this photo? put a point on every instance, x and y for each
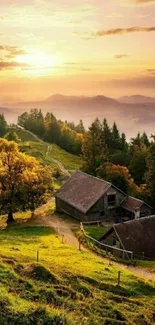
(102, 213)
(111, 199)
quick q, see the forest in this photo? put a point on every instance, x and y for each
(105, 152)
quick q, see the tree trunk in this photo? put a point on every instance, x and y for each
(10, 217)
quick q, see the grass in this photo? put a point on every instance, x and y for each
(32, 146)
(70, 162)
(66, 286)
(23, 134)
(95, 231)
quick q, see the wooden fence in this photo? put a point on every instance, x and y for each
(111, 249)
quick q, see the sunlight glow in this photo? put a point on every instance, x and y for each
(38, 60)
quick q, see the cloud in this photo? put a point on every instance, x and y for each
(12, 51)
(120, 31)
(6, 65)
(152, 71)
(136, 2)
(145, 82)
(121, 56)
(144, 1)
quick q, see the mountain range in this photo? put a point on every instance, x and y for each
(131, 113)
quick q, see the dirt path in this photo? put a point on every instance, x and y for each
(60, 165)
(64, 229)
(49, 148)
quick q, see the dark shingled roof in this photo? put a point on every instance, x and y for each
(137, 236)
(82, 191)
(131, 203)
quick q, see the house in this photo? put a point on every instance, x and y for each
(137, 236)
(89, 198)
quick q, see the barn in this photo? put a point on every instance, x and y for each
(137, 236)
(89, 198)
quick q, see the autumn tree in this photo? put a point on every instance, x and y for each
(23, 181)
(119, 176)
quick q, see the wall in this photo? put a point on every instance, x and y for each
(102, 205)
(145, 211)
(61, 206)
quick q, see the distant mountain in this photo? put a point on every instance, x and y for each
(137, 99)
(131, 117)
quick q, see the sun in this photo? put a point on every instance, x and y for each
(38, 60)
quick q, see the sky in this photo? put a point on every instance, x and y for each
(76, 48)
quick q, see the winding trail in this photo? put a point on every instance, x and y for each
(49, 148)
(65, 230)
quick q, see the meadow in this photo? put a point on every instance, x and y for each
(65, 285)
(45, 152)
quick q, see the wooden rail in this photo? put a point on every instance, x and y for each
(106, 247)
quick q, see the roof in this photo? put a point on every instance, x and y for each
(131, 204)
(137, 236)
(82, 191)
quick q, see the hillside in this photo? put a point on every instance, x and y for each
(48, 153)
(66, 286)
(137, 110)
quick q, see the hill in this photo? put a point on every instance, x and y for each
(137, 99)
(48, 153)
(137, 110)
(66, 286)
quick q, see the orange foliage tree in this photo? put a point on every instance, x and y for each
(24, 182)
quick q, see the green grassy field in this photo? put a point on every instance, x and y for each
(32, 146)
(66, 286)
(95, 231)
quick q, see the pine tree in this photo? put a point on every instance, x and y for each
(93, 148)
(3, 125)
(150, 174)
(115, 137)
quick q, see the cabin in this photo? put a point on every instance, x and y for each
(88, 198)
(137, 236)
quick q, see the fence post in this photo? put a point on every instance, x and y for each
(62, 239)
(79, 244)
(37, 256)
(119, 278)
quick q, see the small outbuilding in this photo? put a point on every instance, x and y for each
(137, 236)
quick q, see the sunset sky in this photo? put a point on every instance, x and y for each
(76, 48)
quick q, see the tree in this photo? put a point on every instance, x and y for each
(107, 135)
(116, 141)
(137, 165)
(150, 174)
(21, 180)
(117, 175)
(12, 136)
(93, 149)
(3, 125)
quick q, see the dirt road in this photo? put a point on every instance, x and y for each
(64, 229)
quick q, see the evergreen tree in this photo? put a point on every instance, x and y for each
(137, 165)
(116, 141)
(12, 136)
(145, 140)
(107, 134)
(150, 174)
(93, 149)
(3, 125)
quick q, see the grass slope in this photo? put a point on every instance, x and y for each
(66, 286)
(32, 146)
